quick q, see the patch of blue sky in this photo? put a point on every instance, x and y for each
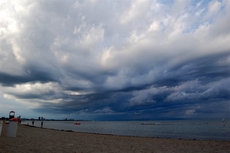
(163, 26)
(166, 2)
(200, 11)
(202, 3)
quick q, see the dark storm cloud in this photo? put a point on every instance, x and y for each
(204, 69)
(32, 76)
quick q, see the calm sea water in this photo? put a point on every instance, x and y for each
(203, 130)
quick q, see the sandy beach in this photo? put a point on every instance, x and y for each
(38, 140)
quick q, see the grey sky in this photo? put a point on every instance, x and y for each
(99, 59)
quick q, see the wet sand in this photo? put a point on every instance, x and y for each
(38, 140)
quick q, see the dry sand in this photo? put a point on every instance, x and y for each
(38, 140)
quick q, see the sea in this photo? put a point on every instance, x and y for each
(178, 129)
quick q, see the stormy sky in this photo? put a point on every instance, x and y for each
(115, 59)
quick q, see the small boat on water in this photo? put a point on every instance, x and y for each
(150, 123)
(77, 123)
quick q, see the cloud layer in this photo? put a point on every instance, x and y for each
(117, 59)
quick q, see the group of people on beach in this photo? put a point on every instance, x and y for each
(41, 123)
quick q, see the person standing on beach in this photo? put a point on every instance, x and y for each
(42, 124)
(33, 122)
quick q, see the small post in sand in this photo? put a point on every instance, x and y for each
(1, 124)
